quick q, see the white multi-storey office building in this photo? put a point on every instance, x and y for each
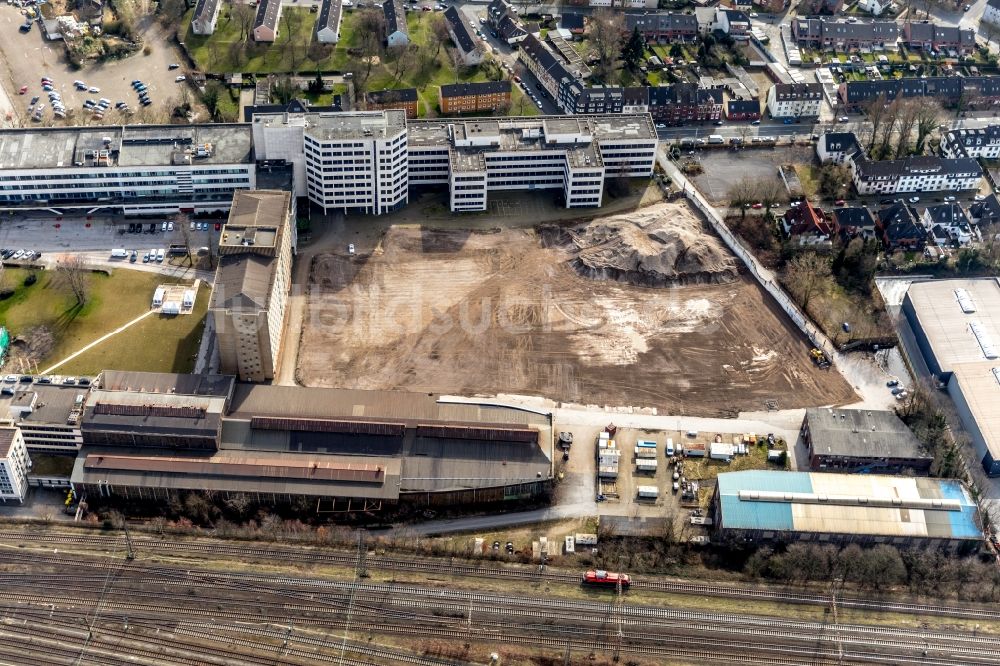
(354, 162)
(133, 169)
(14, 463)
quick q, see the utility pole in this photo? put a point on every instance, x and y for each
(836, 622)
(618, 615)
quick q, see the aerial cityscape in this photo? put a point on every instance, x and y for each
(500, 332)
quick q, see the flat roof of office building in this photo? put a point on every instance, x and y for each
(948, 327)
(341, 126)
(53, 404)
(153, 145)
(609, 126)
(862, 433)
(166, 382)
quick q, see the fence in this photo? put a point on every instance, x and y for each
(763, 276)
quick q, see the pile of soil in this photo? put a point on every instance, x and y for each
(661, 245)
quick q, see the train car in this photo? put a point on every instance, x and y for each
(601, 578)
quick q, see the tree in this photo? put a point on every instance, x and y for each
(743, 193)
(183, 222)
(876, 110)
(360, 71)
(284, 90)
(606, 36)
(928, 118)
(770, 192)
(73, 276)
(634, 49)
(293, 44)
(676, 51)
(437, 34)
(833, 180)
(907, 112)
(243, 15)
(402, 58)
(805, 275)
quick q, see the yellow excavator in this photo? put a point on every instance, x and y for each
(819, 357)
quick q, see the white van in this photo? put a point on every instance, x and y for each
(120, 253)
(670, 446)
(159, 255)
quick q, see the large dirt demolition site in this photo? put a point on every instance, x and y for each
(644, 309)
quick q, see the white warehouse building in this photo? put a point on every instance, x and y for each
(134, 170)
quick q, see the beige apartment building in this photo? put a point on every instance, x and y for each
(252, 282)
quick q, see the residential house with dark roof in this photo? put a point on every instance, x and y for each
(206, 13)
(853, 222)
(571, 21)
(979, 143)
(976, 92)
(836, 147)
(635, 99)
(682, 103)
(898, 228)
(502, 19)
(817, 7)
(328, 23)
(467, 44)
(934, 37)
(986, 212)
(991, 14)
(265, 23)
(396, 31)
(663, 27)
(920, 173)
(806, 225)
(732, 22)
(948, 224)
(771, 6)
(544, 65)
(575, 97)
(743, 109)
(395, 98)
(818, 33)
(475, 97)
(794, 100)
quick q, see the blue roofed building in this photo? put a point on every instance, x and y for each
(763, 506)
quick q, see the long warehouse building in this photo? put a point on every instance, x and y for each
(346, 449)
(956, 326)
(359, 163)
(777, 506)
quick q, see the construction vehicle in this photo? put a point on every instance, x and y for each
(819, 357)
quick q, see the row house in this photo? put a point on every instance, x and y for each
(469, 49)
(682, 103)
(206, 15)
(981, 143)
(635, 99)
(819, 33)
(975, 92)
(576, 98)
(266, 20)
(663, 27)
(397, 33)
(743, 109)
(472, 97)
(543, 64)
(795, 100)
(836, 147)
(563, 86)
(933, 37)
(947, 224)
(914, 174)
(898, 229)
(404, 99)
(806, 226)
(853, 222)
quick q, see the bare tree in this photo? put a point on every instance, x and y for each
(770, 192)
(876, 110)
(437, 33)
(906, 118)
(888, 129)
(607, 36)
(805, 275)
(183, 222)
(743, 193)
(243, 14)
(73, 276)
(928, 118)
(403, 58)
(294, 45)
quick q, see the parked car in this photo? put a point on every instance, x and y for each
(93, 89)
(914, 199)
(173, 65)
(180, 78)
(755, 122)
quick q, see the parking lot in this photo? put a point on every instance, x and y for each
(724, 167)
(28, 57)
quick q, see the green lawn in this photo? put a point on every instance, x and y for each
(159, 343)
(114, 300)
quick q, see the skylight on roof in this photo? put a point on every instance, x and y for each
(983, 337)
(965, 301)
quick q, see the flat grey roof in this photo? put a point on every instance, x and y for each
(862, 433)
(947, 328)
(154, 145)
(608, 127)
(340, 126)
(166, 382)
(54, 402)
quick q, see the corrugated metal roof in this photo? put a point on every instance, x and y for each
(848, 507)
(862, 432)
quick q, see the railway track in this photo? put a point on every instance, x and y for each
(491, 570)
(372, 603)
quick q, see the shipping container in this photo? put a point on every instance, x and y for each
(646, 465)
(607, 471)
(648, 492)
(645, 453)
(646, 444)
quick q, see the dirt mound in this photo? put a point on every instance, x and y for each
(665, 244)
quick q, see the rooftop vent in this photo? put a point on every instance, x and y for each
(965, 301)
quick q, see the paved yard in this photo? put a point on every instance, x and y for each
(26, 58)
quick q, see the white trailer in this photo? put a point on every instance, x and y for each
(608, 471)
(720, 451)
(647, 465)
(648, 492)
(158, 297)
(645, 453)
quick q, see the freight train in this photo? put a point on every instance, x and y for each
(600, 578)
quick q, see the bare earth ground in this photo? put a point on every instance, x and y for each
(490, 312)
